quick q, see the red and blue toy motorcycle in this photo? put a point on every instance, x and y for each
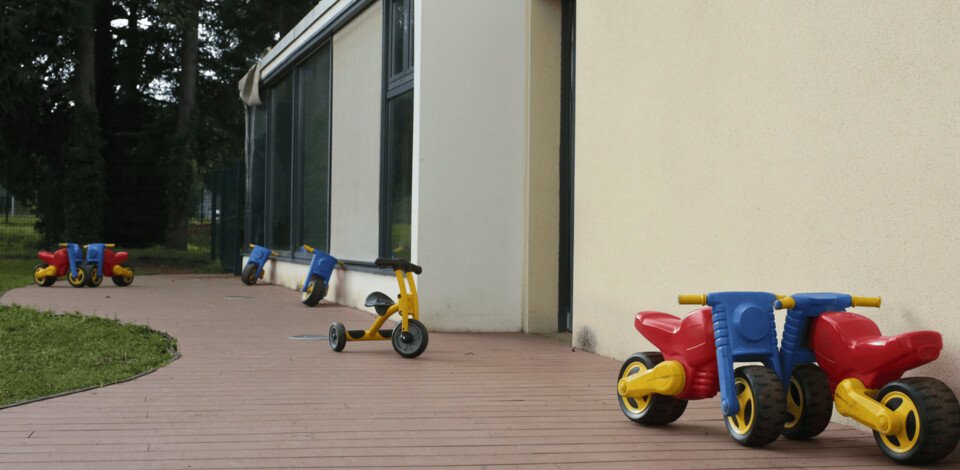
(696, 360)
(314, 287)
(102, 260)
(831, 356)
(67, 261)
(253, 270)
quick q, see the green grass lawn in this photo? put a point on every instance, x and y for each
(43, 354)
(16, 272)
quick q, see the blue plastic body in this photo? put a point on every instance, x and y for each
(321, 266)
(795, 345)
(745, 331)
(259, 256)
(75, 257)
(95, 255)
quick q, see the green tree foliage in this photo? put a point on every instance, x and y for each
(138, 53)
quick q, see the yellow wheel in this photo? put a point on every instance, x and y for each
(650, 409)
(39, 279)
(931, 420)
(125, 279)
(94, 276)
(809, 402)
(316, 291)
(80, 280)
(760, 418)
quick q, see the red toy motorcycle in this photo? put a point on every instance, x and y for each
(914, 420)
(102, 260)
(64, 262)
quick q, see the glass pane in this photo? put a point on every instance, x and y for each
(399, 174)
(257, 167)
(315, 76)
(399, 29)
(281, 155)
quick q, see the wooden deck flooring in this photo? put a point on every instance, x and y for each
(245, 396)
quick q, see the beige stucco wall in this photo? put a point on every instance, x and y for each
(542, 212)
(355, 160)
(780, 146)
(470, 143)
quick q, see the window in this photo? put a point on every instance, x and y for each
(315, 92)
(397, 155)
(281, 158)
(257, 159)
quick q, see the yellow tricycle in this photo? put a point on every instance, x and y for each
(409, 337)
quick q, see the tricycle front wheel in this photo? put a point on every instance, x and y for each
(80, 279)
(411, 343)
(652, 410)
(809, 403)
(316, 291)
(249, 274)
(762, 407)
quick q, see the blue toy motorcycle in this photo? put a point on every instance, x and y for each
(314, 287)
(253, 271)
(67, 261)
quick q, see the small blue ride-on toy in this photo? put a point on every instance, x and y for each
(103, 261)
(253, 271)
(314, 287)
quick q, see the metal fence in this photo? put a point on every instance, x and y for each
(227, 217)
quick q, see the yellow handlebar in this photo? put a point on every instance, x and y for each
(785, 303)
(865, 301)
(308, 248)
(110, 245)
(692, 299)
(62, 245)
(252, 245)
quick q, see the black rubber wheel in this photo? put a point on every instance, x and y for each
(316, 291)
(337, 336)
(652, 410)
(80, 280)
(809, 403)
(932, 415)
(45, 282)
(762, 407)
(412, 343)
(124, 281)
(94, 277)
(249, 274)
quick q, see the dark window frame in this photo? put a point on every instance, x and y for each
(295, 186)
(394, 85)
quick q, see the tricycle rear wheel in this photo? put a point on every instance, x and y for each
(45, 282)
(124, 281)
(337, 336)
(932, 418)
(762, 407)
(809, 403)
(652, 410)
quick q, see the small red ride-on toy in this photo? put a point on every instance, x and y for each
(64, 262)
(832, 356)
(696, 359)
(101, 260)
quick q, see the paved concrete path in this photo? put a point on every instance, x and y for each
(245, 396)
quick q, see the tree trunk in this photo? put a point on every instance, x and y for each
(82, 189)
(180, 186)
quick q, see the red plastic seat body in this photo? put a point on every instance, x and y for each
(848, 345)
(689, 341)
(60, 259)
(113, 258)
